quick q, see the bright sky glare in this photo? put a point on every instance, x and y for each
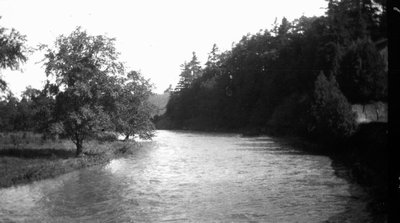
(153, 36)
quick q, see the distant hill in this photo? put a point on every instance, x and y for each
(160, 101)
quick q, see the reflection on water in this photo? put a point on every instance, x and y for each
(185, 176)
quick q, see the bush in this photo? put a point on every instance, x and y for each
(106, 137)
(332, 117)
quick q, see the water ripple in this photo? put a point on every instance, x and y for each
(189, 177)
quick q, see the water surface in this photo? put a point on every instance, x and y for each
(190, 177)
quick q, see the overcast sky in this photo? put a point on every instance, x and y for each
(153, 36)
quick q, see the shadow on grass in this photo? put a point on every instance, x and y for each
(38, 153)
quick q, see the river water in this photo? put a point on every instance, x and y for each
(192, 177)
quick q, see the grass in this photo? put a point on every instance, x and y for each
(27, 157)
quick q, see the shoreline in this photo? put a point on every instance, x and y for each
(18, 169)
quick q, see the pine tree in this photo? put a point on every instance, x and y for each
(190, 71)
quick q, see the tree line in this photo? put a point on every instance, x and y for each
(88, 92)
(299, 77)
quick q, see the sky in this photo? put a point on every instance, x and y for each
(153, 36)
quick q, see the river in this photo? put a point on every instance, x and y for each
(184, 176)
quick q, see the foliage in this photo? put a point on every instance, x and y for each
(133, 111)
(355, 19)
(332, 114)
(362, 75)
(89, 95)
(267, 80)
(42, 107)
(8, 111)
(290, 116)
(190, 71)
(12, 51)
(84, 68)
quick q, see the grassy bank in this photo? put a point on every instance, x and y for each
(27, 157)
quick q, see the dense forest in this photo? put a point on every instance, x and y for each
(298, 78)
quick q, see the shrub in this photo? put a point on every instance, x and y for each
(332, 117)
(106, 137)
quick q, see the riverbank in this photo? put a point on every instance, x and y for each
(26, 157)
(361, 160)
(365, 158)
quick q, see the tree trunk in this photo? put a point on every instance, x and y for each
(79, 146)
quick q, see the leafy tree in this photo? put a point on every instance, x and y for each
(42, 106)
(24, 116)
(30, 93)
(84, 69)
(333, 118)
(12, 51)
(16, 114)
(133, 111)
(362, 76)
(8, 113)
